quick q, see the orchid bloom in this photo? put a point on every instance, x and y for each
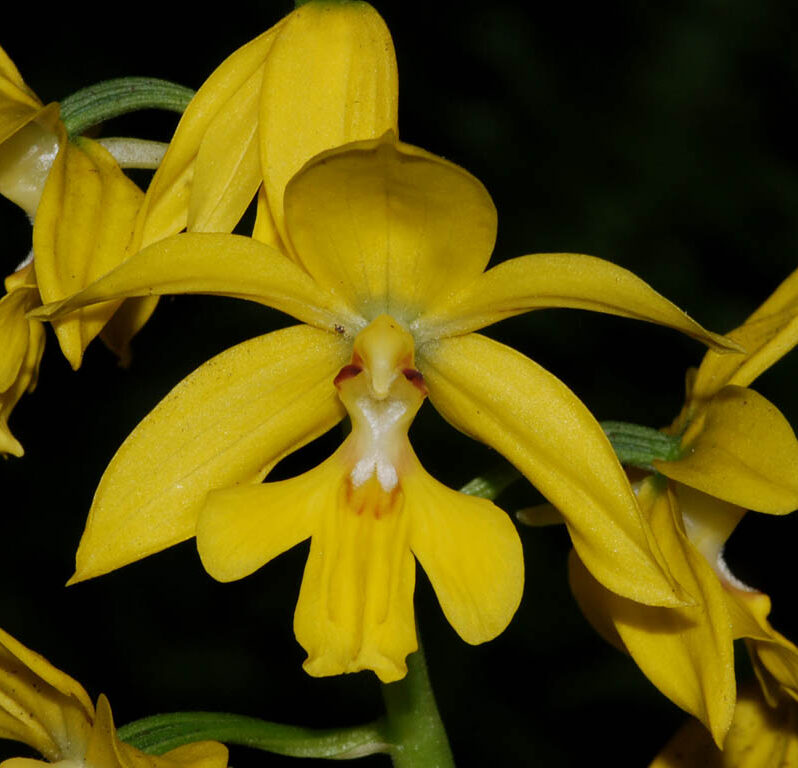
(82, 207)
(385, 250)
(738, 452)
(324, 75)
(50, 712)
(28, 146)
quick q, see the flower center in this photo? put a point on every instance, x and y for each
(382, 392)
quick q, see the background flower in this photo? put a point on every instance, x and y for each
(45, 709)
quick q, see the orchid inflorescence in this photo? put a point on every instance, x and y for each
(380, 250)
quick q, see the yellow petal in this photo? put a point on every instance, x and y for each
(749, 610)
(592, 600)
(540, 516)
(241, 529)
(25, 381)
(784, 298)
(105, 750)
(745, 453)
(265, 230)
(330, 79)
(471, 552)
(709, 522)
(760, 737)
(125, 323)
(686, 652)
(780, 658)
(558, 280)
(389, 227)
(227, 169)
(40, 705)
(82, 230)
(199, 754)
(226, 265)
(12, 87)
(765, 341)
(767, 335)
(23, 762)
(14, 333)
(166, 206)
(220, 194)
(18, 103)
(498, 396)
(355, 607)
(228, 422)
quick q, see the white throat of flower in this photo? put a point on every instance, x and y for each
(382, 392)
(383, 418)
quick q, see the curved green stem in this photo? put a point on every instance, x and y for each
(111, 98)
(412, 724)
(160, 733)
(411, 732)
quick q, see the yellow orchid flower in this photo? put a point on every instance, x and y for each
(49, 711)
(736, 445)
(388, 245)
(83, 209)
(738, 453)
(761, 736)
(28, 146)
(82, 206)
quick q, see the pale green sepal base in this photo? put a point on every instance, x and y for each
(135, 153)
(112, 98)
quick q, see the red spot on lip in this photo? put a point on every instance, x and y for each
(347, 372)
(416, 379)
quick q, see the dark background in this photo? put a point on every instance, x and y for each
(661, 140)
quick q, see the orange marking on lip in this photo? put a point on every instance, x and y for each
(372, 498)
